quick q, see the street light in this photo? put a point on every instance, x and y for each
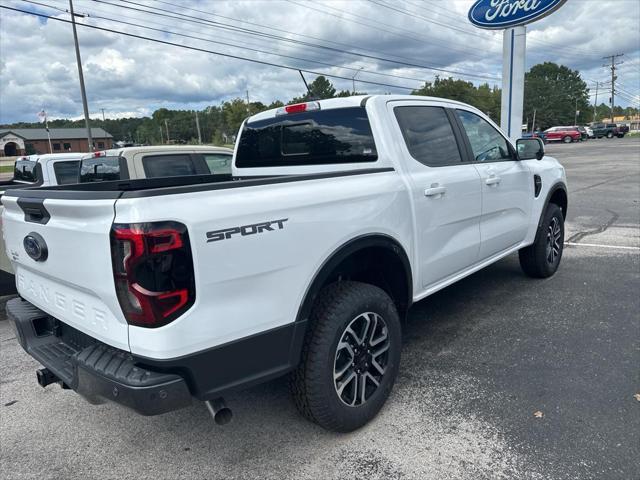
(353, 79)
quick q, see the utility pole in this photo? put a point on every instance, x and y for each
(161, 139)
(102, 115)
(248, 104)
(166, 125)
(613, 66)
(533, 123)
(353, 79)
(198, 128)
(595, 104)
(575, 113)
(81, 76)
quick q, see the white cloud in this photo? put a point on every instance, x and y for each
(131, 77)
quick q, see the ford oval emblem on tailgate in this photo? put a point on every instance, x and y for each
(36, 247)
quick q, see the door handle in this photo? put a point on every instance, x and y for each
(435, 190)
(493, 180)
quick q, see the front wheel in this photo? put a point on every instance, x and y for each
(542, 259)
(350, 358)
(567, 139)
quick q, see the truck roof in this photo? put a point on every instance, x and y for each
(52, 156)
(167, 148)
(354, 101)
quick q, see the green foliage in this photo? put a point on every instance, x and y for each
(603, 111)
(555, 92)
(321, 88)
(484, 97)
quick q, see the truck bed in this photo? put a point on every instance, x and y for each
(170, 185)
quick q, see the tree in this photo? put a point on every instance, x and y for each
(234, 113)
(555, 92)
(320, 89)
(484, 97)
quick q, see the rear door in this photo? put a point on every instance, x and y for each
(507, 185)
(445, 189)
(73, 280)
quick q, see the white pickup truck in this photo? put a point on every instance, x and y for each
(35, 171)
(338, 215)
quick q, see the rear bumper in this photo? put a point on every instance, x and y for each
(95, 370)
(151, 386)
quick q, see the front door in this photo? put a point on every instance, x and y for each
(446, 190)
(507, 186)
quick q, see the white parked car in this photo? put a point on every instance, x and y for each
(337, 216)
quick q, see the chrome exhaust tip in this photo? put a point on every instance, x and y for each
(219, 411)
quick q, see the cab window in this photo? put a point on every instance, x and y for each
(428, 135)
(66, 172)
(100, 169)
(218, 162)
(487, 144)
(168, 165)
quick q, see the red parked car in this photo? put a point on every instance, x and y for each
(563, 134)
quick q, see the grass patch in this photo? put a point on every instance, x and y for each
(6, 168)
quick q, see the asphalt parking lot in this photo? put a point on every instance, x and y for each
(479, 359)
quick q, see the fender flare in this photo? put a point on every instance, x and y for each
(556, 186)
(340, 254)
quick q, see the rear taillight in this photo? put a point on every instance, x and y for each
(153, 271)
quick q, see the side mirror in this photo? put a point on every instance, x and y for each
(530, 148)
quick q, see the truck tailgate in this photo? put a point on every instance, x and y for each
(75, 282)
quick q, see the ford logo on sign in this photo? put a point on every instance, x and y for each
(499, 14)
(36, 247)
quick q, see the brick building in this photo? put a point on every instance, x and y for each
(27, 141)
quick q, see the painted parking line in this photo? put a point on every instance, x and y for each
(600, 245)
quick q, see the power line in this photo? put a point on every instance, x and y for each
(176, 15)
(203, 50)
(205, 39)
(435, 22)
(297, 42)
(413, 36)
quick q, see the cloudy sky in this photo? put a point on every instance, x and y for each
(399, 43)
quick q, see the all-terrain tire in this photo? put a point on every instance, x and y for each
(313, 384)
(542, 258)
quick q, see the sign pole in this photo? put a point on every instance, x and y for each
(514, 45)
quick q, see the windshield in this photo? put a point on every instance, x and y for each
(321, 137)
(25, 171)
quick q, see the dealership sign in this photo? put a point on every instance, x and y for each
(501, 14)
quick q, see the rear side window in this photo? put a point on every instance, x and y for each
(310, 138)
(25, 171)
(218, 162)
(66, 172)
(168, 165)
(100, 169)
(428, 135)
